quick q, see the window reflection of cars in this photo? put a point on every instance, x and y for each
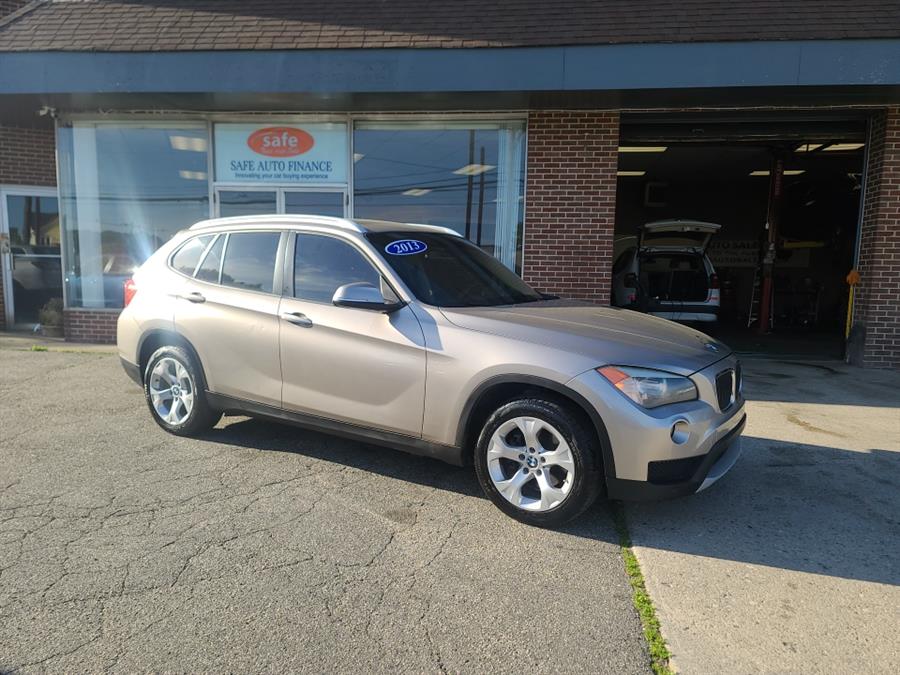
(33, 271)
(117, 268)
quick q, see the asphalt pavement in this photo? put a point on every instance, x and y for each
(263, 547)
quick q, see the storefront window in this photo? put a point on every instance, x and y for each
(466, 176)
(125, 190)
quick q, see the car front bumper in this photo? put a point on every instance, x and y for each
(717, 462)
(671, 450)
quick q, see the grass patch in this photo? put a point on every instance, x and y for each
(659, 653)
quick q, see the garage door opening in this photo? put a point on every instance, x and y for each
(786, 198)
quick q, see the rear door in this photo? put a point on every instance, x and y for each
(354, 365)
(229, 312)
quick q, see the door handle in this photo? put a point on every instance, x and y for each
(297, 318)
(194, 297)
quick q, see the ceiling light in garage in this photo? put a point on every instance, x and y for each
(808, 147)
(416, 192)
(630, 173)
(192, 143)
(787, 172)
(643, 148)
(838, 147)
(474, 169)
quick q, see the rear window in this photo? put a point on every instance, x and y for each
(250, 261)
(209, 268)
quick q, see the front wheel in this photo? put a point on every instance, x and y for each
(173, 387)
(535, 460)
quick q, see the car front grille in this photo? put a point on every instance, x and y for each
(725, 389)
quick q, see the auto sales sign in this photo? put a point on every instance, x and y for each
(281, 153)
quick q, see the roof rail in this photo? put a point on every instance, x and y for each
(279, 219)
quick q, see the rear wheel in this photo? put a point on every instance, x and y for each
(174, 389)
(536, 462)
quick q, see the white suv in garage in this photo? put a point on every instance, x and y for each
(666, 272)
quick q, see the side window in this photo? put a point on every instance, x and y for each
(622, 261)
(250, 260)
(324, 264)
(187, 257)
(209, 268)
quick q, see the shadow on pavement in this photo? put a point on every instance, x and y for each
(794, 506)
(395, 464)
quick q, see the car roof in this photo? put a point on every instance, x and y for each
(321, 222)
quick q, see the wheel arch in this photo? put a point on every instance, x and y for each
(156, 338)
(491, 393)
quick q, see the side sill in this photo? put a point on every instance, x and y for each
(416, 446)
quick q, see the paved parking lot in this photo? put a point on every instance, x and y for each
(263, 547)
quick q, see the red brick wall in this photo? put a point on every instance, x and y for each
(27, 155)
(877, 312)
(570, 202)
(85, 325)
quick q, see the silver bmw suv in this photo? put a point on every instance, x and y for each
(410, 336)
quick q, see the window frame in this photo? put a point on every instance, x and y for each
(277, 272)
(288, 287)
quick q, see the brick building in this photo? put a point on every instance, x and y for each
(546, 134)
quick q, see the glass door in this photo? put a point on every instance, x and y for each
(254, 201)
(244, 202)
(315, 203)
(29, 256)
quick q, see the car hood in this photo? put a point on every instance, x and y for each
(608, 335)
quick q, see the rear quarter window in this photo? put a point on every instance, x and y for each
(186, 258)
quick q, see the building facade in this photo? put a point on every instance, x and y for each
(542, 134)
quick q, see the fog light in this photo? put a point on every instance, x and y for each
(680, 432)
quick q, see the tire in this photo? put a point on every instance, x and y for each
(173, 368)
(547, 487)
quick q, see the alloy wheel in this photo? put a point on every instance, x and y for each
(531, 464)
(171, 391)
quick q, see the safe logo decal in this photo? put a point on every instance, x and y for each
(280, 141)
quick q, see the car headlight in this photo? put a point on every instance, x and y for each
(649, 388)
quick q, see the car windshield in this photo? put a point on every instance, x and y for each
(448, 271)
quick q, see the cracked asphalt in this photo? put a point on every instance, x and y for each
(264, 547)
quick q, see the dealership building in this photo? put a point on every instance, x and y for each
(546, 133)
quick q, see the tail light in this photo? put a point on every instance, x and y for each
(714, 296)
(130, 289)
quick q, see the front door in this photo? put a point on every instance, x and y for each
(29, 252)
(354, 365)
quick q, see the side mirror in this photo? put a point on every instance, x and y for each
(363, 295)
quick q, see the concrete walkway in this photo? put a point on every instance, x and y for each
(35, 342)
(791, 563)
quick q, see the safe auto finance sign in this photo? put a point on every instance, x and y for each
(281, 153)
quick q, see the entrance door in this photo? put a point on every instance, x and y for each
(30, 252)
(243, 202)
(315, 203)
(254, 201)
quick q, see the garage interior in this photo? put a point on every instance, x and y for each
(723, 169)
